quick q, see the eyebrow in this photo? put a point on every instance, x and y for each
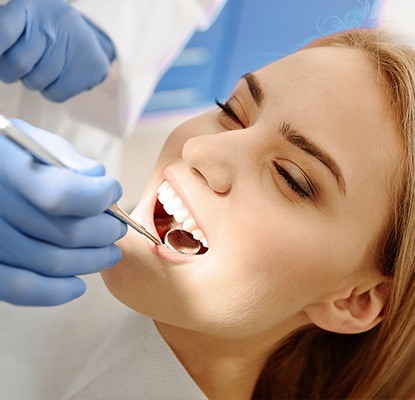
(305, 144)
(254, 87)
(295, 137)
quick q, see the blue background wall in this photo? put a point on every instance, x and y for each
(247, 35)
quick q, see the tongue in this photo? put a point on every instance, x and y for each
(163, 225)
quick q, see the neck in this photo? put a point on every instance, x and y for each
(224, 368)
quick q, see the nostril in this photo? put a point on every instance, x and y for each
(217, 177)
(198, 174)
(205, 160)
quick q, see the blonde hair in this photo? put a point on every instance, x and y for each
(315, 364)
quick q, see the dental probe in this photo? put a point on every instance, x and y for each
(175, 239)
(8, 129)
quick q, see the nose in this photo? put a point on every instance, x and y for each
(213, 157)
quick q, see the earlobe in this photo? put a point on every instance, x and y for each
(350, 311)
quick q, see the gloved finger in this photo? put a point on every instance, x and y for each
(91, 69)
(60, 192)
(26, 288)
(20, 251)
(55, 191)
(62, 149)
(104, 41)
(47, 69)
(96, 231)
(12, 24)
(20, 59)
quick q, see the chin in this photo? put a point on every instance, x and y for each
(153, 280)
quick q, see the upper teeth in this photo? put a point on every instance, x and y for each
(173, 205)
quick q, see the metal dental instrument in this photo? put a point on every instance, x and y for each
(176, 239)
(8, 129)
(181, 241)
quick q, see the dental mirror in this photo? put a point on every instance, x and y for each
(181, 241)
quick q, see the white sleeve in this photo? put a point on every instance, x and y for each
(148, 35)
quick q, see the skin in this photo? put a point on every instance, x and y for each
(276, 261)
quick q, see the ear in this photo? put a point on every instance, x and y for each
(351, 310)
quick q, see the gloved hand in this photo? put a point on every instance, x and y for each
(52, 225)
(52, 48)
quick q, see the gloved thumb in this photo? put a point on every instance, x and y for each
(62, 149)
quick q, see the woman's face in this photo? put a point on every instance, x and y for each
(290, 186)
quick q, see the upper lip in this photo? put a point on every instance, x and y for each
(181, 193)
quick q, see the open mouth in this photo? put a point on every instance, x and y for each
(171, 213)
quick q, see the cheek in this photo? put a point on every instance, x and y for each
(246, 289)
(276, 273)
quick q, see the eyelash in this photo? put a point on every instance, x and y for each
(289, 180)
(228, 111)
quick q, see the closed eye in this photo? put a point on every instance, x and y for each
(308, 193)
(228, 112)
(305, 191)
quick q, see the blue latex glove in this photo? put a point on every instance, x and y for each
(52, 225)
(52, 48)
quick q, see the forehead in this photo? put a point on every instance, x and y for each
(322, 79)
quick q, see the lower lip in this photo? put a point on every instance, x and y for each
(171, 256)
